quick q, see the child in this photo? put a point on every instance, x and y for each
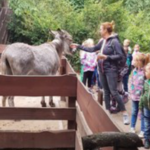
(127, 70)
(88, 60)
(95, 79)
(127, 42)
(137, 83)
(81, 69)
(145, 106)
(136, 50)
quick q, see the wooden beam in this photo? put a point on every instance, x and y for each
(71, 103)
(38, 114)
(115, 139)
(69, 69)
(95, 116)
(59, 139)
(63, 66)
(38, 85)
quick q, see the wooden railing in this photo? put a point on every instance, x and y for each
(84, 114)
(4, 19)
(40, 86)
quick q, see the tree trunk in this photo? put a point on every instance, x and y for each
(117, 140)
(4, 3)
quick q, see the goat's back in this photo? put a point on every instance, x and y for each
(23, 59)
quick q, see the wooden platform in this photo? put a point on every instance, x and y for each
(118, 120)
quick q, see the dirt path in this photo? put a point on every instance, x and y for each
(33, 125)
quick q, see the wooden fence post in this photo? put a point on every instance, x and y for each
(100, 97)
(71, 103)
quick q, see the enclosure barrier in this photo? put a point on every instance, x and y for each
(84, 114)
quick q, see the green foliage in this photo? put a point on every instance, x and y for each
(135, 6)
(33, 19)
(77, 4)
(75, 61)
(138, 31)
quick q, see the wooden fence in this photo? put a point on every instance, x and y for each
(40, 86)
(84, 114)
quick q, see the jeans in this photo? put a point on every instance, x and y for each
(146, 113)
(134, 115)
(125, 82)
(109, 83)
(95, 78)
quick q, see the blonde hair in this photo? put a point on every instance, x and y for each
(89, 42)
(126, 42)
(141, 57)
(136, 45)
(109, 26)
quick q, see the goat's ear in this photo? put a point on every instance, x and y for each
(59, 29)
(52, 32)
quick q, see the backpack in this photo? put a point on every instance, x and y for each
(121, 64)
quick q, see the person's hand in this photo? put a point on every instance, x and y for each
(74, 45)
(101, 56)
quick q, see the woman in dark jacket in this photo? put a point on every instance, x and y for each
(110, 52)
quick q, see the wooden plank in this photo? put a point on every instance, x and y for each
(38, 113)
(100, 97)
(69, 69)
(2, 15)
(57, 139)
(94, 114)
(38, 85)
(78, 144)
(4, 3)
(63, 66)
(83, 128)
(4, 29)
(71, 103)
(66, 68)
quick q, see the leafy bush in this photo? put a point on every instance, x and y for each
(32, 20)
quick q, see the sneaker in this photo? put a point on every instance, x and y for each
(113, 103)
(147, 144)
(126, 120)
(132, 130)
(141, 134)
(91, 91)
(114, 110)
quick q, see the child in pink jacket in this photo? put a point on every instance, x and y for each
(136, 88)
(88, 60)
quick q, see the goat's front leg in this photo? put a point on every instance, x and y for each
(51, 103)
(11, 101)
(4, 98)
(43, 103)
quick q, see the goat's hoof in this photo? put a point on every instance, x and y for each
(52, 104)
(43, 104)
